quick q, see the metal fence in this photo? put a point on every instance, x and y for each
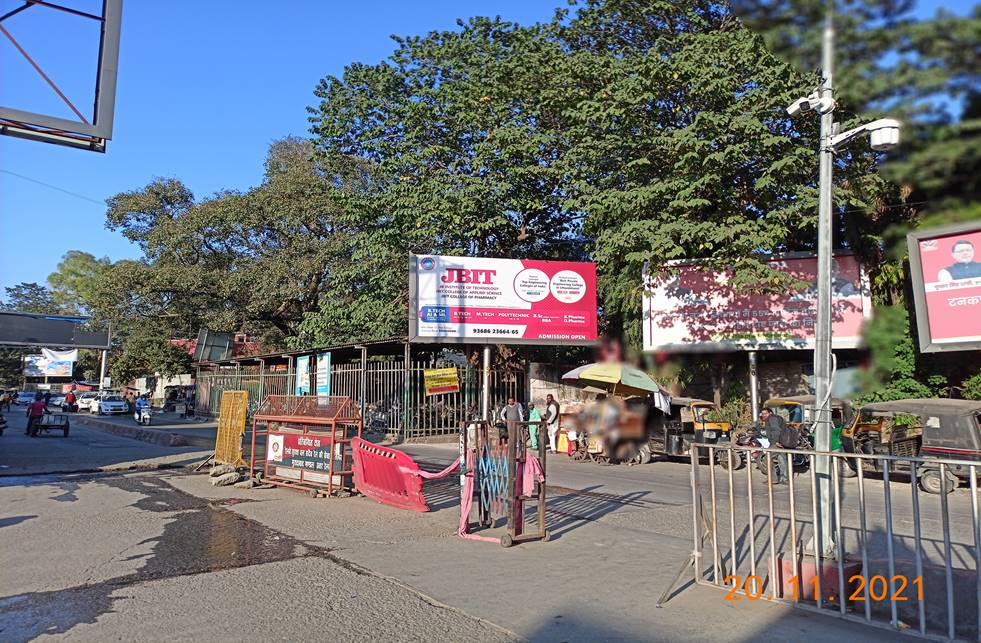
(390, 403)
(900, 558)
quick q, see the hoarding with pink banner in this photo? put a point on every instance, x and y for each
(696, 310)
(501, 301)
(946, 275)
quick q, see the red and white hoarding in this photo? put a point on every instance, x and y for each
(696, 309)
(501, 301)
(946, 274)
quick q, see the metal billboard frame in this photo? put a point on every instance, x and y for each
(480, 341)
(51, 129)
(927, 345)
(56, 331)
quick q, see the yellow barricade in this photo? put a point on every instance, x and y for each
(231, 428)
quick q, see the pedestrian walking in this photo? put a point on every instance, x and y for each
(35, 410)
(512, 413)
(535, 417)
(47, 398)
(6, 399)
(552, 421)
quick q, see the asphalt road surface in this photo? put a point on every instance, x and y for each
(141, 549)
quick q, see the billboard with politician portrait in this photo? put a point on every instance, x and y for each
(945, 267)
(696, 309)
(501, 301)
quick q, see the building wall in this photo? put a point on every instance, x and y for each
(544, 379)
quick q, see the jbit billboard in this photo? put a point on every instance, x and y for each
(501, 301)
(946, 276)
(696, 309)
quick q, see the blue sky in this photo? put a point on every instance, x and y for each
(203, 88)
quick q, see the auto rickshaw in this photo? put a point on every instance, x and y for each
(941, 429)
(691, 420)
(798, 412)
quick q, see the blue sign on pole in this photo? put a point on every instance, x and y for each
(302, 375)
(323, 374)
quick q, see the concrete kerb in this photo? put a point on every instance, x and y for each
(144, 434)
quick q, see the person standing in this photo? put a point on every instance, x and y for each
(5, 400)
(535, 417)
(512, 413)
(552, 421)
(47, 398)
(779, 434)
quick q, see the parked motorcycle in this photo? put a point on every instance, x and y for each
(754, 439)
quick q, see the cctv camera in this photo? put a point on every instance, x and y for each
(798, 106)
(824, 105)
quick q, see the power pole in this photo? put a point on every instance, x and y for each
(822, 331)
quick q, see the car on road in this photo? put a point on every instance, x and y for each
(24, 398)
(111, 405)
(57, 400)
(85, 400)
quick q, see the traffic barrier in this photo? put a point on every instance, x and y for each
(392, 477)
(231, 428)
(916, 572)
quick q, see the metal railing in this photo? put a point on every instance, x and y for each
(897, 560)
(389, 404)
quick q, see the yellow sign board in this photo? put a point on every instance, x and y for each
(441, 380)
(231, 428)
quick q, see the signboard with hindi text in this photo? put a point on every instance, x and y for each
(945, 268)
(303, 457)
(441, 380)
(693, 308)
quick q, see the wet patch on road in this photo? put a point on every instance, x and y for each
(202, 537)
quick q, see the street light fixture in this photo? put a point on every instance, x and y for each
(884, 134)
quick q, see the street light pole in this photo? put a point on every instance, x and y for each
(822, 330)
(884, 135)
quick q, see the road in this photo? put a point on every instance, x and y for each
(158, 553)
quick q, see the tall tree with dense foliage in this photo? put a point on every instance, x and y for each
(631, 131)
(253, 261)
(76, 281)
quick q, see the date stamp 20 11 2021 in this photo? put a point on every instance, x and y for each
(877, 588)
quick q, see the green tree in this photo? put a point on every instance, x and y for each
(629, 131)
(462, 156)
(75, 284)
(145, 352)
(30, 298)
(253, 261)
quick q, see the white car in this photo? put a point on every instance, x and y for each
(111, 405)
(24, 398)
(85, 401)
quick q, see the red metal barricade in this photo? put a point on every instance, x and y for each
(391, 477)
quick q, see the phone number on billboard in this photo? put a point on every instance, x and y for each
(497, 331)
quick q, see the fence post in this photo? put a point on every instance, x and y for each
(363, 387)
(406, 391)
(262, 381)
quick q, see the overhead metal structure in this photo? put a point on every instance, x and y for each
(90, 131)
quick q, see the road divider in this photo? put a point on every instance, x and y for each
(159, 437)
